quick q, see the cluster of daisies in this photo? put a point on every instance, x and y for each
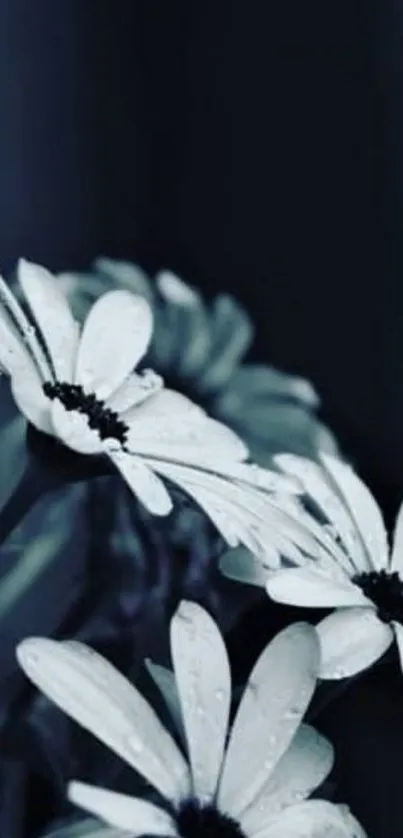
(143, 378)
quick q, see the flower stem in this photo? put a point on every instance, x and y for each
(34, 483)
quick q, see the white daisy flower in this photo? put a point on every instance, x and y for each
(254, 784)
(80, 387)
(199, 348)
(353, 570)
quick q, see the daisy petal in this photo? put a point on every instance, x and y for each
(239, 564)
(130, 813)
(165, 681)
(364, 510)
(230, 507)
(149, 489)
(232, 334)
(396, 560)
(204, 685)
(18, 322)
(309, 587)
(52, 313)
(173, 289)
(170, 426)
(313, 819)
(115, 337)
(352, 639)
(135, 390)
(275, 699)
(88, 828)
(93, 693)
(259, 382)
(14, 356)
(123, 274)
(73, 429)
(398, 629)
(26, 387)
(302, 768)
(184, 304)
(169, 407)
(318, 486)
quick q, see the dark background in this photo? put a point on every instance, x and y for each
(254, 147)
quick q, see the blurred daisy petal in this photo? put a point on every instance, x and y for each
(87, 828)
(173, 289)
(233, 333)
(242, 566)
(124, 274)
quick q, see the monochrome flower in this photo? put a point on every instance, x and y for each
(199, 348)
(80, 387)
(350, 569)
(254, 784)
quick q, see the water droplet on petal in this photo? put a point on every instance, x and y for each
(135, 744)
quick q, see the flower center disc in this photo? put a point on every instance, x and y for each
(100, 417)
(386, 592)
(197, 821)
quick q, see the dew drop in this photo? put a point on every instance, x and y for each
(135, 744)
(219, 694)
(292, 713)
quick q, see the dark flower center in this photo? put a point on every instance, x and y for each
(386, 592)
(197, 821)
(100, 418)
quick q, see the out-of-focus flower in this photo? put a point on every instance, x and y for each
(350, 569)
(255, 784)
(81, 389)
(199, 348)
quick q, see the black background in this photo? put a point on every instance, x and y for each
(254, 147)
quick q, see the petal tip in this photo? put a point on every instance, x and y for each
(29, 653)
